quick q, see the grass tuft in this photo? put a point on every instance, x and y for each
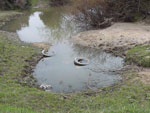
(139, 55)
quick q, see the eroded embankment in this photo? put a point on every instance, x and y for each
(116, 39)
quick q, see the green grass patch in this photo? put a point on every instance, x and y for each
(9, 109)
(129, 97)
(140, 55)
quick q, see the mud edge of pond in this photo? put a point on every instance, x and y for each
(27, 78)
(116, 39)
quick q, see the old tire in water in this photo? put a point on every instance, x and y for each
(81, 61)
(46, 54)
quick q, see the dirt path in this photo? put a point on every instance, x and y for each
(117, 38)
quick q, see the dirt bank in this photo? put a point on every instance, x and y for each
(117, 38)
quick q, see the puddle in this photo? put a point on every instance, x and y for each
(55, 26)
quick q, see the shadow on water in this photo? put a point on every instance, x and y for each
(56, 26)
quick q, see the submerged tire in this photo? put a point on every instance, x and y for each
(81, 61)
(46, 54)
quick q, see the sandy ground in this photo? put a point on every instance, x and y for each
(117, 38)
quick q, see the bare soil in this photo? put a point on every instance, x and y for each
(116, 39)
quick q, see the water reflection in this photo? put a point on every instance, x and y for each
(48, 25)
(60, 24)
(36, 31)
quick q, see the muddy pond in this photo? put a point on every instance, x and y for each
(56, 26)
